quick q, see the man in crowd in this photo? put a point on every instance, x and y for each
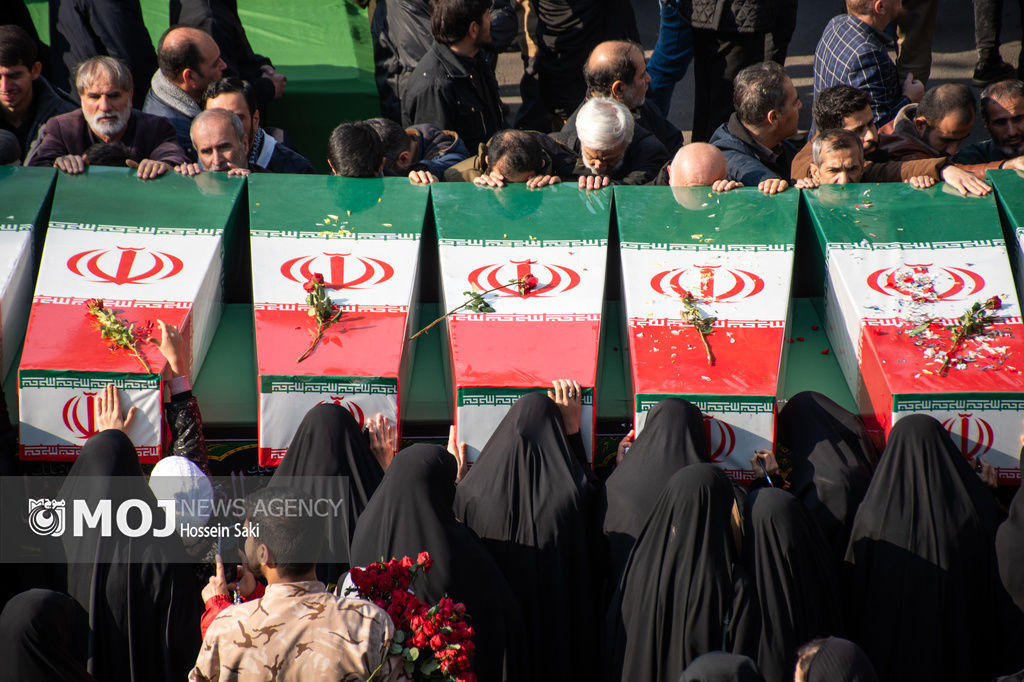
(422, 152)
(264, 153)
(935, 127)
(838, 158)
(104, 86)
(611, 148)
(849, 108)
(853, 50)
(1002, 112)
(453, 87)
(189, 61)
(27, 100)
(698, 164)
(297, 629)
(755, 139)
(219, 141)
(219, 19)
(81, 29)
(616, 69)
(355, 150)
(513, 156)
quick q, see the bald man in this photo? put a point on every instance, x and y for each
(189, 61)
(616, 69)
(697, 165)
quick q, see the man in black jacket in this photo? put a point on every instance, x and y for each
(265, 153)
(616, 69)
(452, 87)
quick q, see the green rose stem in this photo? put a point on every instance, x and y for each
(320, 306)
(972, 323)
(120, 333)
(477, 303)
(704, 325)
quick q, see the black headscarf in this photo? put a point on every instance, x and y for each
(719, 666)
(329, 457)
(797, 586)
(1010, 545)
(411, 512)
(673, 436)
(44, 637)
(832, 460)
(143, 600)
(921, 575)
(840, 660)
(682, 593)
(528, 499)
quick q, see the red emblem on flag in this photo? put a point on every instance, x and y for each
(125, 265)
(708, 282)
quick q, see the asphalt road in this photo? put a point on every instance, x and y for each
(953, 58)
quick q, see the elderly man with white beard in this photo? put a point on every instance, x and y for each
(104, 86)
(612, 149)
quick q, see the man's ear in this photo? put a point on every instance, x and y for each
(36, 69)
(256, 119)
(814, 172)
(263, 555)
(617, 89)
(474, 30)
(920, 124)
(773, 116)
(404, 160)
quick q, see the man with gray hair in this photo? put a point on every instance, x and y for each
(611, 149)
(755, 140)
(104, 86)
(219, 140)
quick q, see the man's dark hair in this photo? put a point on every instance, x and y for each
(394, 141)
(107, 154)
(175, 59)
(836, 103)
(1001, 90)
(355, 150)
(947, 99)
(294, 538)
(450, 19)
(620, 68)
(757, 90)
(835, 139)
(228, 86)
(17, 47)
(518, 150)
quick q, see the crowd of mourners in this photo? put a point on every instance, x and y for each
(839, 563)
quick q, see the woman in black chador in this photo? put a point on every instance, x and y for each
(682, 593)
(329, 457)
(44, 637)
(673, 436)
(921, 575)
(832, 460)
(528, 497)
(411, 512)
(142, 598)
(797, 586)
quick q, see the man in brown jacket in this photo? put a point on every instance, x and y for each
(849, 108)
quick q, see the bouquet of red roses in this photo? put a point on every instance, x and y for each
(435, 642)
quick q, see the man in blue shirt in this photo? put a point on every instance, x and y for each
(853, 50)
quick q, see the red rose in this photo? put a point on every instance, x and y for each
(309, 286)
(531, 283)
(318, 278)
(424, 561)
(994, 303)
